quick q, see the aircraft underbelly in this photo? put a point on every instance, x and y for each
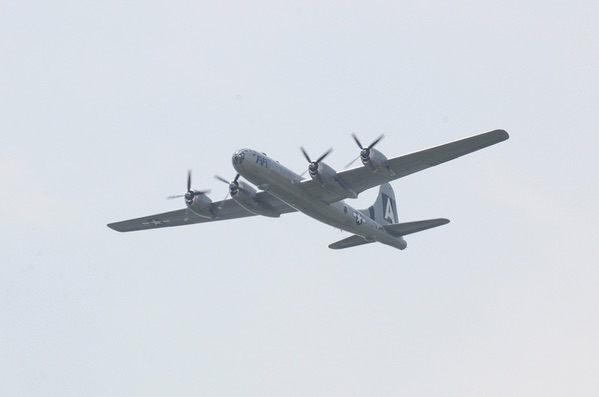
(283, 184)
(339, 215)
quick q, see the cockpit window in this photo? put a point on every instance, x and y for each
(238, 157)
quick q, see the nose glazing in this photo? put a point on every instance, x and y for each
(238, 157)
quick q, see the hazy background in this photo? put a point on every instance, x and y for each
(105, 105)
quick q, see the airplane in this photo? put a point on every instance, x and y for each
(280, 191)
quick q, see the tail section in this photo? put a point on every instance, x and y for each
(384, 209)
(403, 229)
(351, 241)
(384, 212)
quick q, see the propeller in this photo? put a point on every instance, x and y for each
(365, 152)
(190, 193)
(313, 167)
(233, 186)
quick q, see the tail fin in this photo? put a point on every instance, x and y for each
(384, 209)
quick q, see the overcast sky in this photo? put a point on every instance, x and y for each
(105, 105)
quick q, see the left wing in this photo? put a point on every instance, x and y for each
(226, 209)
(361, 178)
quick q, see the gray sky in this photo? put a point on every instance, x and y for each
(105, 105)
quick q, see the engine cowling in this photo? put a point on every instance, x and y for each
(246, 196)
(376, 162)
(327, 177)
(201, 205)
(373, 159)
(196, 200)
(322, 173)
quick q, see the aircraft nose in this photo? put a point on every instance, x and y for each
(238, 157)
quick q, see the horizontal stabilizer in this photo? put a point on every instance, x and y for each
(403, 229)
(351, 241)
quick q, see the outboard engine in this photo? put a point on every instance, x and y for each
(373, 159)
(197, 201)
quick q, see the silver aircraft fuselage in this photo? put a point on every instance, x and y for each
(284, 184)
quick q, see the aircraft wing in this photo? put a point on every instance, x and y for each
(351, 241)
(226, 209)
(361, 178)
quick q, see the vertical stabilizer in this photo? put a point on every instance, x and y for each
(384, 209)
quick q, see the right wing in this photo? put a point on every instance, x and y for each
(361, 178)
(226, 209)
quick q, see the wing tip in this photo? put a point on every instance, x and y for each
(114, 227)
(502, 135)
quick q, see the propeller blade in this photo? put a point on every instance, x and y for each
(377, 140)
(220, 206)
(313, 164)
(357, 140)
(190, 193)
(324, 155)
(352, 162)
(220, 178)
(305, 154)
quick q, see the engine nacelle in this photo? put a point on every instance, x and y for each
(201, 205)
(323, 174)
(246, 197)
(327, 177)
(376, 162)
